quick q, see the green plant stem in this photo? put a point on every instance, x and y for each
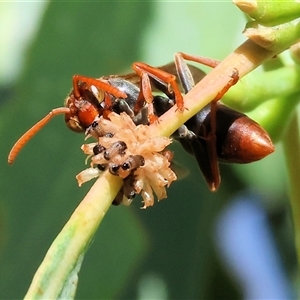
(74, 238)
(291, 146)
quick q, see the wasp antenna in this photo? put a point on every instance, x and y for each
(21, 142)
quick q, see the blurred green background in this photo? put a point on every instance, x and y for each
(170, 251)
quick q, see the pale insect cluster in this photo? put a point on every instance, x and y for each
(131, 152)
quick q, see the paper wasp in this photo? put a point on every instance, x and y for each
(215, 133)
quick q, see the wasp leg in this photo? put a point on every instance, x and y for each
(210, 62)
(200, 150)
(161, 76)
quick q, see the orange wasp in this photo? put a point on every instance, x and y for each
(216, 133)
